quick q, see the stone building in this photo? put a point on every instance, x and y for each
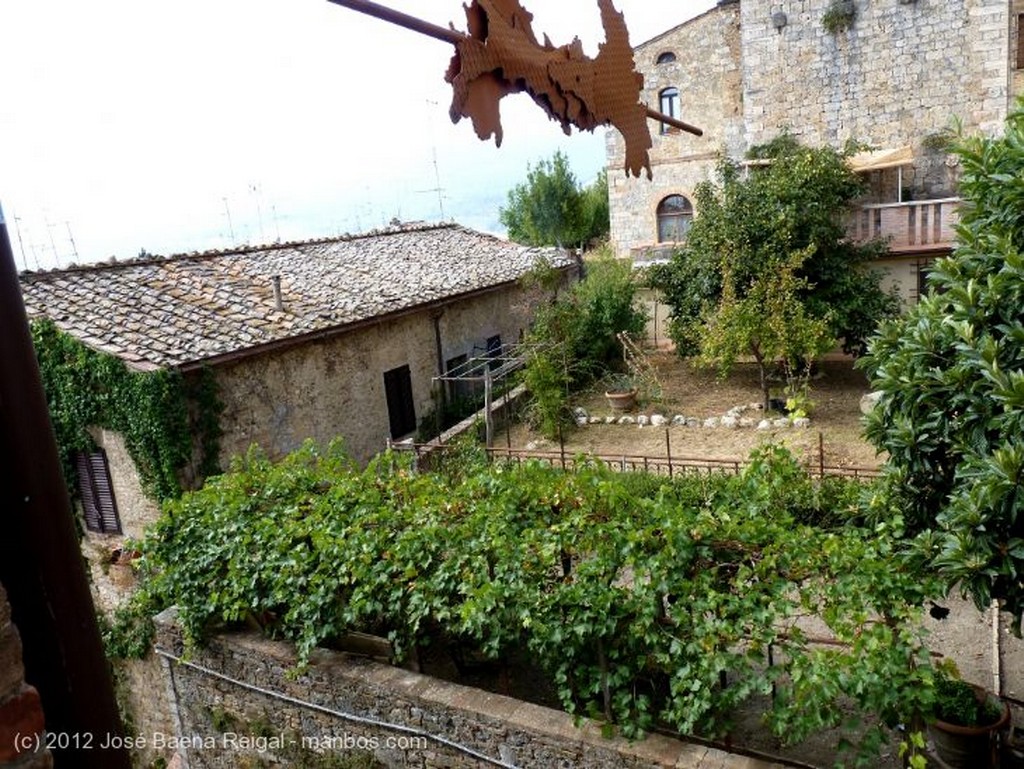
(891, 75)
(322, 339)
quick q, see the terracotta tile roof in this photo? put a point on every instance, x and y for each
(173, 311)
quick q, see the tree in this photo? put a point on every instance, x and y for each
(575, 338)
(768, 323)
(749, 227)
(551, 209)
(951, 373)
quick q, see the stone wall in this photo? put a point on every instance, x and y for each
(707, 74)
(238, 705)
(897, 76)
(335, 386)
(22, 726)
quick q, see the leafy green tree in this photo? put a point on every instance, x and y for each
(551, 209)
(951, 372)
(749, 226)
(596, 217)
(575, 338)
(767, 322)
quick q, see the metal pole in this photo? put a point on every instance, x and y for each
(668, 451)
(40, 559)
(488, 417)
(400, 19)
(821, 454)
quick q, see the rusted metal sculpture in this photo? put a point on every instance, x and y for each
(501, 55)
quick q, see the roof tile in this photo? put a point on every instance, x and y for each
(178, 310)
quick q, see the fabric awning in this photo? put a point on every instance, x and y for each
(874, 160)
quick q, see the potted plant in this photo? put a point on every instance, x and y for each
(967, 719)
(621, 393)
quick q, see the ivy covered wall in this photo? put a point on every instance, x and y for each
(170, 422)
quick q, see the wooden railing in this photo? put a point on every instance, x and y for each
(913, 226)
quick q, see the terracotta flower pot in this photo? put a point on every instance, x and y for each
(968, 747)
(621, 401)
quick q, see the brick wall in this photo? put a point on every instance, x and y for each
(21, 712)
(225, 722)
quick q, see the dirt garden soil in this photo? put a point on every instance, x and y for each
(836, 390)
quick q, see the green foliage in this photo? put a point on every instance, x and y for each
(635, 595)
(957, 702)
(749, 228)
(952, 376)
(551, 209)
(767, 322)
(129, 633)
(838, 16)
(157, 412)
(575, 338)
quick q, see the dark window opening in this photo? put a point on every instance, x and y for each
(675, 215)
(668, 103)
(666, 58)
(401, 411)
(97, 493)
(1020, 41)
(458, 389)
(494, 350)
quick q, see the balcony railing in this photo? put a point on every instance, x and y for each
(918, 225)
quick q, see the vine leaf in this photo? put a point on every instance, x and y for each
(501, 55)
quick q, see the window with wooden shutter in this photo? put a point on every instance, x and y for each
(97, 493)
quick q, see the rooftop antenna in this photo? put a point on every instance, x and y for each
(277, 227)
(254, 190)
(433, 153)
(71, 237)
(21, 243)
(231, 227)
(53, 245)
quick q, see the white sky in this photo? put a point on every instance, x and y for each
(196, 124)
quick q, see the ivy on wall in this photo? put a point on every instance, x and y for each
(157, 412)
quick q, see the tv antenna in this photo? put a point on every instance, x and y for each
(433, 156)
(231, 227)
(71, 237)
(21, 244)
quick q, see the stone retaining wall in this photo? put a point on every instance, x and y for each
(238, 703)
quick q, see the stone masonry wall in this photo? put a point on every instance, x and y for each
(22, 725)
(226, 723)
(707, 74)
(335, 387)
(897, 76)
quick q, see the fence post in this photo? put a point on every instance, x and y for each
(668, 451)
(821, 454)
(561, 446)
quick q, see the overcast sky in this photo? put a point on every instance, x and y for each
(196, 124)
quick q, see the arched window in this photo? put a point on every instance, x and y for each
(668, 104)
(675, 214)
(666, 58)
